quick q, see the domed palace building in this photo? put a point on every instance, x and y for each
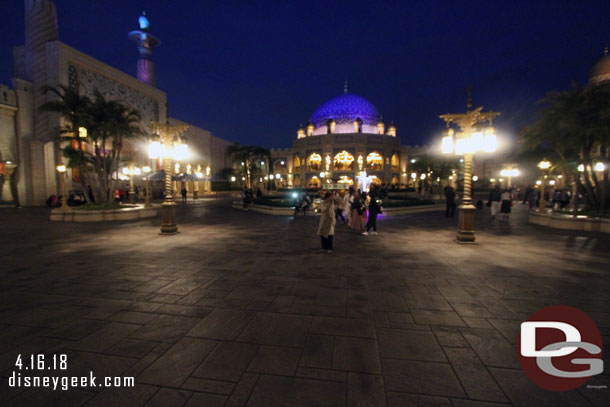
(346, 138)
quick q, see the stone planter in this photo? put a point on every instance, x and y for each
(569, 222)
(109, 215)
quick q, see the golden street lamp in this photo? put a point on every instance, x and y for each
(544, 165)
(467, 142)
(61, 168)
(146, 169)
(131, 171)
(166, 144)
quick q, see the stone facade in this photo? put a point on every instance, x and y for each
(28, 136)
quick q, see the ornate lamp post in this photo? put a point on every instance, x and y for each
(130, 172)
(467, 142)
(168, 146)
(544, 165)
(61, 168)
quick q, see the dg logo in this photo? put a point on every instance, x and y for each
(560, 348)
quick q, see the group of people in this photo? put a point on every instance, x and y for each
(361, 209)
(247, 196)
(499, 201)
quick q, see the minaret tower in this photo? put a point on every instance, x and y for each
(145, 42)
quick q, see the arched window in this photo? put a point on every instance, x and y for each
(314, 182)
(395, 162)
(314, 162)
(344, 179)
(394, 180)
(375, 180)
(343, 161)
(374, 161)
(296, 181)
(296, 163)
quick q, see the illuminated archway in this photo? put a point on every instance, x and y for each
(314, 182)
(296, 163)
(374, 161)
(314, 162)
(395, 162)
(375, 180)
(394, 180)
(343, 161)
(296, 181)
(344, 179)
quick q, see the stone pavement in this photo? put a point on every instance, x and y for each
(245, 309)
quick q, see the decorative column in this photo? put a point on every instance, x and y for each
(465, 233)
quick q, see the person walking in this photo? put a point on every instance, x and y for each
(348, 205)
(450, 200)
(532, 197)
(326, 229)
(495, 196)
(357, 209)
(507, 202)
(374, 210)
(339, 207)
(183, 192)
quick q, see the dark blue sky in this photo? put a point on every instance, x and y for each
(252, 71)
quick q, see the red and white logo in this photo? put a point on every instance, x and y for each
(560, 348)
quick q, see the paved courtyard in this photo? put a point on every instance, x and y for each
(245, 309)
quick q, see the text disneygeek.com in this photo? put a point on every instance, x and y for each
(40, 363)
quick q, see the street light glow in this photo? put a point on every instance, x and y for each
(600, 167)
(510, 173)
(155, 150)
(181, 151)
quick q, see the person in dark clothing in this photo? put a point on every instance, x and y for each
(374, 210)
(90, 194)
(526, 196)
(183, 191)
(450, 200)
(259, 193)
(339, 208)
(495, 200)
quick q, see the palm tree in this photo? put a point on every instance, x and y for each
(247, 160)
(109, 124)
(573, 128)
(112, 123)
(74, 108)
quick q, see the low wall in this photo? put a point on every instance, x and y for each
(568, 222)
(81, 215)
(289, 211)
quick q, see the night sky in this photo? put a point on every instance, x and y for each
(252, 71)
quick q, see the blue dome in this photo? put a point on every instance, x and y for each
(345, 109)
